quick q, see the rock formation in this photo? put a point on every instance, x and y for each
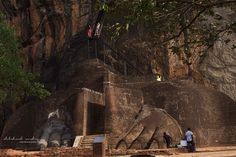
(214, 68)
(45, 27)
(219, 65)
(136, 111)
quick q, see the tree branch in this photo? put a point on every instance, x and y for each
(205, 7)
(184, 28)
(220, 3)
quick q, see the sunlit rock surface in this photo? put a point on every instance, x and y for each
(219, 66)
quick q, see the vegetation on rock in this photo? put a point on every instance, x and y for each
(189, 24)
(15, 83)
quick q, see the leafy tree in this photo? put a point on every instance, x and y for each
(14, 81)
(191, 23)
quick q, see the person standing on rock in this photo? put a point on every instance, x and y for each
(190, 141)
(90, 38)
(167, 139)
(90, 32)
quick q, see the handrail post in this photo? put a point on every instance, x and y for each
(104, 51)
(88, 49)
(125, 68)
(96, 53)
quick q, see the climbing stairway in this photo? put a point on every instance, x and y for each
(87, 142)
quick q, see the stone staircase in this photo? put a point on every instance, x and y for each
(87, 142)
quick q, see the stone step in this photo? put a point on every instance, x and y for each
(89, 138)
(87, 146)
(87, 141)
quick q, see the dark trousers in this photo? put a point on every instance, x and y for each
(191, 146)
(167, 144)
(92, 48)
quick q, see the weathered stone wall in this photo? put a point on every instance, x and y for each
(132, 124)
(80, 110)
(148, 128)
(34, 115)
(209, 113)
(122, 107)
(134, 109)
(88, 74)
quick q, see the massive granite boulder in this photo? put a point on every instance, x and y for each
(219, 67)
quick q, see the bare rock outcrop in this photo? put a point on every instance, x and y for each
(219, 66)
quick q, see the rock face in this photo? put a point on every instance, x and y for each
(46, 29)
(219, 65)
(217, 69)
(45, 26)
(152, 59)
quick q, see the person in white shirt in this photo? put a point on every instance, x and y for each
(190, 141)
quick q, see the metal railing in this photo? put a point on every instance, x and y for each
(98, 48)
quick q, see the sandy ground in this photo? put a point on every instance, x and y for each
(229, 151)
(205, 152)
(211, 152)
